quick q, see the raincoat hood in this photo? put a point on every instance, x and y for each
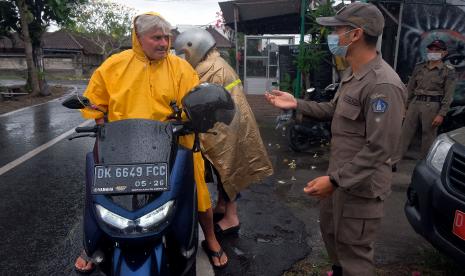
(136, 46)
(130, 86)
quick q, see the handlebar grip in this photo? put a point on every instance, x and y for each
(86, 129)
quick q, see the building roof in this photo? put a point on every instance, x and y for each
(13, 42)
(263, 16)
(59, 40)
(63, 40)
(221, 41)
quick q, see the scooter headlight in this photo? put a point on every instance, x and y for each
(142, 224)
(155, 217)
(113, 219)
(438, 152)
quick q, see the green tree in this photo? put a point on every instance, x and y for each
(30, 18)
(106, 23)
(311, 53)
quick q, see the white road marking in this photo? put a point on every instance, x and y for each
(38, 150)
(74, 89)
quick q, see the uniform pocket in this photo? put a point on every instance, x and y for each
(360, 222)
(347, 122)
(437, 80)
(348, 111)
(358, 231)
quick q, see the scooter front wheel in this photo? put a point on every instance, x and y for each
(298, 141)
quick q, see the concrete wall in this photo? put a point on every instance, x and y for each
(19, 63)
(12, 63)
(58, 64)
(63, 66)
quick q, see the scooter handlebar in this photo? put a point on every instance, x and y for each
(93, 129)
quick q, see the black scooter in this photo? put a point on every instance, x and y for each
(304, 132)
(141, 206)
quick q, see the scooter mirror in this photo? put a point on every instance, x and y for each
(208, 104)
(311, 90)
(76, 102)
(332, 87)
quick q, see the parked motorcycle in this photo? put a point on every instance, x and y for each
(302, 131)
(140, 201)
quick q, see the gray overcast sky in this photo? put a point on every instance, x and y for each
(178, 12)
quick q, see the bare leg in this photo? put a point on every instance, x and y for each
(220, 205)
(82, 265)
(206, 222)
(230, 218)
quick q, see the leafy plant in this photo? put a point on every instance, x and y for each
(106, 23)
(30, 18)
(311, 53)
(286, 83)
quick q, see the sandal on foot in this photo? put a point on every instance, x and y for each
(88, 260)
(229, 231)
(214, 254)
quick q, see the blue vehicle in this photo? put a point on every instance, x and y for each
(140, 213)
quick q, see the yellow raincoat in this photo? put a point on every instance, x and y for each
(130, 86)
(237, 151)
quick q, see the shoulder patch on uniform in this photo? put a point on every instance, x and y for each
(379, 105)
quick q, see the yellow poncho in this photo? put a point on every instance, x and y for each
(130, 86)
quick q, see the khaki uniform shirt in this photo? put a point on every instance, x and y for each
(438, 81)
(366, 125)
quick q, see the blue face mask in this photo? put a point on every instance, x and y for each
(333, 44)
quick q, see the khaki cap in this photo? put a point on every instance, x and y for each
(439, 44)
(358, 15)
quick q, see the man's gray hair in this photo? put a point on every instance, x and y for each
(147, 22)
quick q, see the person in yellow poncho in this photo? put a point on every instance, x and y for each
(140, 83)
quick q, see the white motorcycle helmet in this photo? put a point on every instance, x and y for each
(194, 44)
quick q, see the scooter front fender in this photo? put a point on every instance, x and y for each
(149, 263)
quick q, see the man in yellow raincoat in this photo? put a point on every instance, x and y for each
(236, 151)
(141, 83)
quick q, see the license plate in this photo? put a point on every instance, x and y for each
(124, 179)
(459, 224)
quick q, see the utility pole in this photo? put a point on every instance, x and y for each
(303, 8)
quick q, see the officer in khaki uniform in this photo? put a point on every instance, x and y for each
(366, 128)
(430, 92)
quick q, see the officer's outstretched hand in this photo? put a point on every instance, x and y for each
(281, 99)
(320, 187)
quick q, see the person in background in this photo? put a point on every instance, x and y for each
(236, 152)
(366, 115)
(430, 91)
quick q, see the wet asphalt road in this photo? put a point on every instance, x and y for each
(41, 204)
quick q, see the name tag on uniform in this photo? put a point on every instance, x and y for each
(379, 105)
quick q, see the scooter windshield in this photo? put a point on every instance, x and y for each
(134, 158)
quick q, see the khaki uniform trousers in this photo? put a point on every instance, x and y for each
(419, 113)
(348, 225)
